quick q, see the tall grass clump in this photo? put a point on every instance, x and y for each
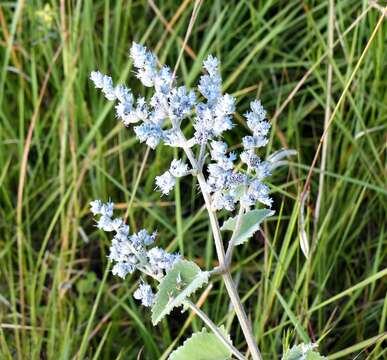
(310, 278)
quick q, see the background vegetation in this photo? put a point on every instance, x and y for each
(60, 147)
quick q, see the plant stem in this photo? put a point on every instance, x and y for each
(215, 329)
(226, 275)
(228, 281)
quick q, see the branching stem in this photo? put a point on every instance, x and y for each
(226, 275)
(215, 329)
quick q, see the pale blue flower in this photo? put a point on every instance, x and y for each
(159, 259)
(260, 192)
(149, 133)
(218, 147)
(145, 294)
(172, 138)
(96, 206)
(211, 65)
(131, 252)
(143, 238)
(123, 111)
(165, 182)
(163, 80)
(225, 105)
(256, 121)
(97, 78)
(105, 223)
(210, 85)
(258, 109)
(251, 142)
(263, 170)
(122, 269)
(222, 201)
(145, 62)
(204, 124)
(107, 209)
(250, 159)
(138, 54)
(181, 103)
(178, 168)
(108, 88)
(123, 94)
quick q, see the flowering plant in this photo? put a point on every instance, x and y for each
(223, 183)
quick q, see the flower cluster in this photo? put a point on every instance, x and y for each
(167, 181)
(211, 117)
(120, 93)
(145, 294)
(131, 252)
(223, 182)
(229, 186)
(168, 102)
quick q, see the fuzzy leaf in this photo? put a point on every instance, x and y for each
(171, 292)
(249, 225)
(202, 346)
(302, 352)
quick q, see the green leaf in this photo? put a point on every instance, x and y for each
(302, 352)
(313, 355)
(183, 279)
(249, 225)
(202, 346)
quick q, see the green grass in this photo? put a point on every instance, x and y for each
(57, 298)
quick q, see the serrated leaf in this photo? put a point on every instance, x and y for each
(249, 225)
(202, 346)
(313, 355)
(302, 352)
(183, 279)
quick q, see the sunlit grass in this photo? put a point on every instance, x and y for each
(57, 300)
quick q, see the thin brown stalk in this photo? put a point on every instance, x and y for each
(169, 26)
(22, 178)
(142, 168)
(192, 20)
(6, 35)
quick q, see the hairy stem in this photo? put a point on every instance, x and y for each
(215, 330)
(226, 275)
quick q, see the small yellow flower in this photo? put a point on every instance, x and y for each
(46, 15)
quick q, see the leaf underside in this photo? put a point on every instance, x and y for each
(250, 223)
(202, 346)
(171, 292)
(297, 352)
